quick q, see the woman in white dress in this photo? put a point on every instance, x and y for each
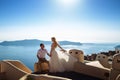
(60, 61)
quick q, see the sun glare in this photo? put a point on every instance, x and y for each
(67, 3)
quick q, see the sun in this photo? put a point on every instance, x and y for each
(67, 3)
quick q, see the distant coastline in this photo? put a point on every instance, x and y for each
(35, 42)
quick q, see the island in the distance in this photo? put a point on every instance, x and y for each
(35, 42)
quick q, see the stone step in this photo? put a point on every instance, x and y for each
(3, 76)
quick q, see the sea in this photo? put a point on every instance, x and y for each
(27, 54)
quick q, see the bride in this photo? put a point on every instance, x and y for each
(60, 61)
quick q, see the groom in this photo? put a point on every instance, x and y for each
(41, 53)
(43, 64)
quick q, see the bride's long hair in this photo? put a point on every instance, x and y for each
(54, 41)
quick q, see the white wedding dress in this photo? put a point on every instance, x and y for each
(61, 61)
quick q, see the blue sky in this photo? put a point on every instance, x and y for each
(73, 20)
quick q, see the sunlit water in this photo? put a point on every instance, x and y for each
(27, 55)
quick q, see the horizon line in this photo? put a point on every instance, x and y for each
(59, 40)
